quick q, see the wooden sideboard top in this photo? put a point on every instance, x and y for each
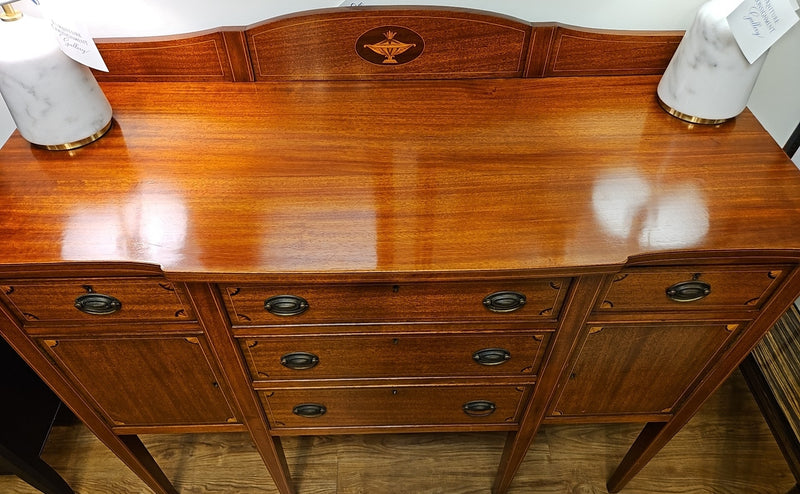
(397, 176)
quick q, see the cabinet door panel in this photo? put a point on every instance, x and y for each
(634, 369)
(145, 381)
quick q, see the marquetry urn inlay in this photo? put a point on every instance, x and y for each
(389, 45)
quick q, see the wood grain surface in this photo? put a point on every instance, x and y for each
(438, 43)
(342, 177)
(725, 449)
(457, 44)
(201, 57)
(580, 52)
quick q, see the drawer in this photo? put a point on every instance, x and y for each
(699, 288)
(97, 301)
(526, 300)
(393, 406)
(330, 357)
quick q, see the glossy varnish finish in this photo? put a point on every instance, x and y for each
(309, 181)
(396, 211)
(343, 177)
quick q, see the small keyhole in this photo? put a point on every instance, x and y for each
(394, 391)
(395, 341)
(396, 288)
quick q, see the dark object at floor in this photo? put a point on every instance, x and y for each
(26, 415)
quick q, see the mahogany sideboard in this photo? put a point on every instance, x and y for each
(288, 232)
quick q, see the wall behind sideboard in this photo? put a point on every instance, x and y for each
(775, 100)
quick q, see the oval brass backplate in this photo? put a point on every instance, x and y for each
(389, 45)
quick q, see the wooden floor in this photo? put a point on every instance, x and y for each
(726, 448)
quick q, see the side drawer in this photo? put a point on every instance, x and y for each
(526, 300)
(393, 406)
(331, 357)
(699, 288)
(97, 301)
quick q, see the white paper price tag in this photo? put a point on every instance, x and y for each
(758, 24)
(77, 44)
(72, 35)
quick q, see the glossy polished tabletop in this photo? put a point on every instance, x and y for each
(321, 177)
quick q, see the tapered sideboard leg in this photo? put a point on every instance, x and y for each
(211, 313)
(653, 437)
(514, 452)
(127, 448)
(153, 475)
(583, 293)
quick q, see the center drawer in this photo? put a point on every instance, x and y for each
(517, 300)
(393, 406)
(365, 356)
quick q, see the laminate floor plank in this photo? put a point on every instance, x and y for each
(725, 449)
(413, 463)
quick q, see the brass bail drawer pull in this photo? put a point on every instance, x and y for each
(491, 356)
(286, 305)
(688, 291)
(309, 410)
(299, 360)
(504, 301)
(97, 304)
(479, 408)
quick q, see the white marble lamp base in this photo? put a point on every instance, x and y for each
(55, 102)
(708, 80)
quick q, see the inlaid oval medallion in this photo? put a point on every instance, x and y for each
(389, 45)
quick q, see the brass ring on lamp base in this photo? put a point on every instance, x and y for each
(76, 144)
(690, 118)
